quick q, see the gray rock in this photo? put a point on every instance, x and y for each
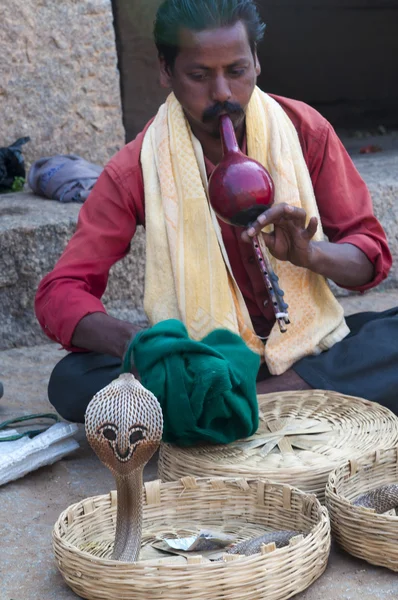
(33, 235)
(59, 78)
(380, 171)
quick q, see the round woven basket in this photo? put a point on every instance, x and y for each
(360, 531)
(83, 540)
(302, 437)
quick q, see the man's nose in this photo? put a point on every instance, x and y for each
(220, 90)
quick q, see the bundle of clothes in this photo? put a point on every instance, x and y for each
(64, 177)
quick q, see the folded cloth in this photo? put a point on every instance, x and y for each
(64, 177)
(207, 388)
(19, 457)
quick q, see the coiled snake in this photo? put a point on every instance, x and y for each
(381, 499)
(124, 426)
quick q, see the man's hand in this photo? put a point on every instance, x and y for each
(291, 238)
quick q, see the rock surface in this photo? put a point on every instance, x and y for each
(33, 234)
(59, 78)
(380, 171)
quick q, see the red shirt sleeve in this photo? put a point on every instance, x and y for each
(343, 199)
(345, 205)
(107, 222)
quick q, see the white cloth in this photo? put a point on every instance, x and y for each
(19, 457)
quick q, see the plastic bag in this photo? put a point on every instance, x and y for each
(23, 455)
(12, 166)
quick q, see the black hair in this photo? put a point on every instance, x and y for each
(198, 15)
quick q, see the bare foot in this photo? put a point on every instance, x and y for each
(289, 381)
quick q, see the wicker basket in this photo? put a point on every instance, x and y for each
(302, 437)
(360, 531)
(83, 534)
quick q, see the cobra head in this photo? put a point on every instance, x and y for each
(124, 425)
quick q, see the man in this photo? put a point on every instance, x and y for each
(208, 58)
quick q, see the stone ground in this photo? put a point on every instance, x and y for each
(30, 506)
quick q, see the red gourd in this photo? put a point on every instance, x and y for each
(240, 189)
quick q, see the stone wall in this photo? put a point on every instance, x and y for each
(33, 234)
(59, 80)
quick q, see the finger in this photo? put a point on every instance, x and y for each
(269, 240)
(245, 237)
(271, 216)
(274, 215)
(253, 230)
(298, 216)
(312, 227)
(281, 212)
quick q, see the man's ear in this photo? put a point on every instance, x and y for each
(165, 78)
(257, 65)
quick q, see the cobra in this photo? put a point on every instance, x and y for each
(124, 426)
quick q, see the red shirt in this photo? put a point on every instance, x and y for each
(108, 219)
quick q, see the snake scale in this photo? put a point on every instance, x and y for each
(381, 499)
(124, 426)
(253, 546)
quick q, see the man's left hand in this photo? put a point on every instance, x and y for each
(291, 238)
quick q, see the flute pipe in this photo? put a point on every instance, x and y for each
(278, 305)
(283, 306)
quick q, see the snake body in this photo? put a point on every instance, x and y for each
(253, 546)
(382, 499)
(124, 426)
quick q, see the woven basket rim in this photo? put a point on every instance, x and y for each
(357, 466)
(361, 531)
(243, 506)
(337, 411)
(322, 518)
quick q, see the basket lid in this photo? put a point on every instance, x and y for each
(302, 437)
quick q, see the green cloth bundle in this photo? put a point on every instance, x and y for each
(207, 389)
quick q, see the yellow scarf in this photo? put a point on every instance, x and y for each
(188, 275)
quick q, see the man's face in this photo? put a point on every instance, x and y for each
(214, 73)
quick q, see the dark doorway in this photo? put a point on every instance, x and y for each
(340, 56)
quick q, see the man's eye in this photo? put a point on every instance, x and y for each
(237, 72)
(198, 76)
(109, 434)
(136, 436)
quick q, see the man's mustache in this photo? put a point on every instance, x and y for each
(231, 108)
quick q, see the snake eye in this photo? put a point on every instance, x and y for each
(109, 434)
(136, 436)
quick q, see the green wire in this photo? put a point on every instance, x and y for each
(31, 432)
